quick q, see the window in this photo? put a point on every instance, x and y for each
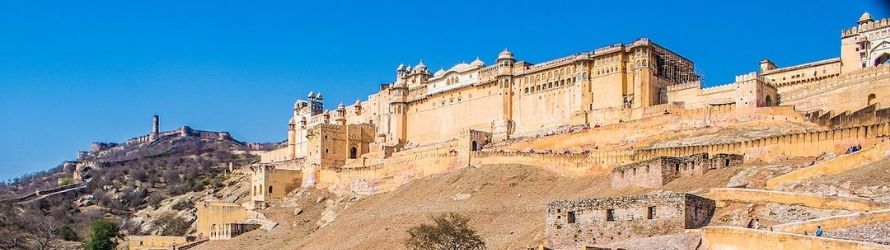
(650, 213)
(270, 189)
(610, 214)
(570, 218)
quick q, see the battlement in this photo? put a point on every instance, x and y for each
(865, 27)
(836, 82)
(682, 86)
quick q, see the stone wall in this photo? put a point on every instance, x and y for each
(724, 195)
(834, 166)
(582, 223)
(150, 242)
(725, 237)
(214, 214)
(811, 143)
(269, 183)
(661, 170)
(835, 222)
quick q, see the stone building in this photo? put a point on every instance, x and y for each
(215, 219)
(511, 98)
(592, 222)
(658, 171)
(269, 183)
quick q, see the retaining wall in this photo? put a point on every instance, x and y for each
(835, 222)
(804, 199)
(723, 237)
(834, 166)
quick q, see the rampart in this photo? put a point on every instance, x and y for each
(568, 164)
(789, 145)
(835, 222)
(803, 199)
(725, 237)
(847, 92)
(387, 174)
(834, 166)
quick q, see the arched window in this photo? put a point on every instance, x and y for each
(475, 146)
(353, 153)
(769, 101)
(871, 98)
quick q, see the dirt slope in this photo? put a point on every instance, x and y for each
(506, 204)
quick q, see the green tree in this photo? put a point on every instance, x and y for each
(103, 236)
(448, 231)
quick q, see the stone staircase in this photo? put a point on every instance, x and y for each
(870, 114)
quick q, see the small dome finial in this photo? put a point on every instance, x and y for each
(506, 54)
(865, 18)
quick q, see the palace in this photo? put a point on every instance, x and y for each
(450, 113)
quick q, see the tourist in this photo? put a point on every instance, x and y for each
(818, 231)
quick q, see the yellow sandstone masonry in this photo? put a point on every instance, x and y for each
(803, 199)
(835, 222)
(736, 238)
(834, 166)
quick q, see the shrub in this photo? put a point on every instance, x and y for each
(173, 225)
(65, 181)
(68, 234)
(103, 236)
(448, 231)
(183, 205)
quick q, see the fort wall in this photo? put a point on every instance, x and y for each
(847, 92)
(834, 222)
(790, 145)
(151, 242)
(804, 199)
(731, 238)
(834, 166)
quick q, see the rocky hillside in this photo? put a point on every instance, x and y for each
(129, 179)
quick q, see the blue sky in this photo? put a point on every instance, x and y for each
(73, 72)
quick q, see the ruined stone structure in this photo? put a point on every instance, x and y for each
(661, 170)
(269, 183)
(155, 242)
(582, 223)
(221, 220)
(156, 134)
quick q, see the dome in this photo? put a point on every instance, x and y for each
(865, 18)
(401, 67)
(439, 72)
(318, 95)
(292, 121)
(358, 103)
(420, 66)
(460, 67)
(311, 94)
(477, 63)
(341, 106)
(298, 104)
(506, 54)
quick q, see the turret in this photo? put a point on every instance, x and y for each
(341, 115)
(155, 128)
(766, 65)
(505, 62)
(291, 139)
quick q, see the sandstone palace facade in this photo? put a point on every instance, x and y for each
(435, 121)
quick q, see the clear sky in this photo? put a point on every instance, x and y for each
(73, 72)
